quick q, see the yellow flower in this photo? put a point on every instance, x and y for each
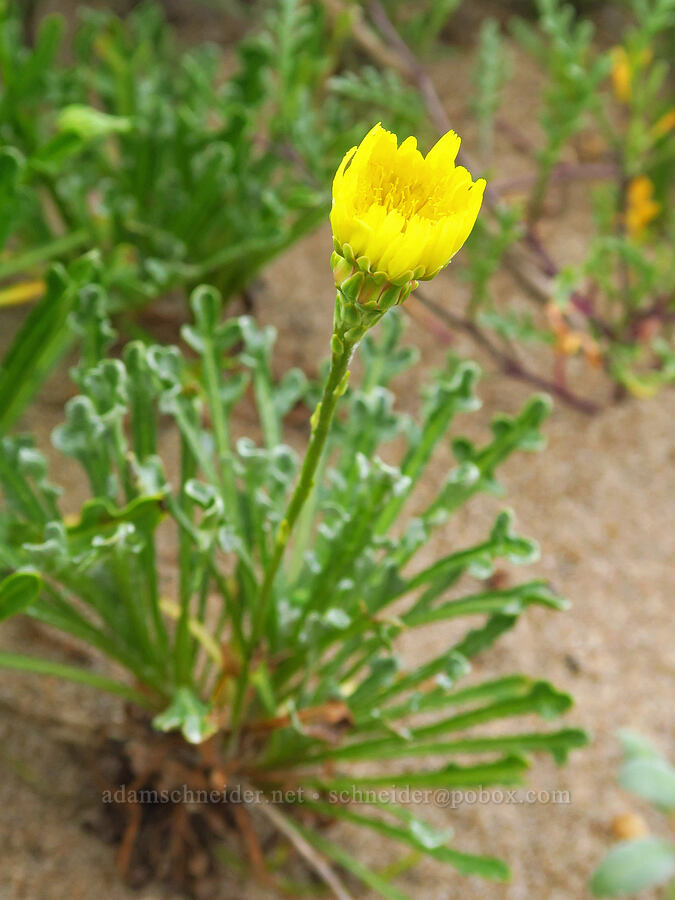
(664, 125)
(399, 213)
(622, 74)
(641, 207)
(624, 68)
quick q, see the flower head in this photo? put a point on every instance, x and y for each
(622, 74)
(625, 66)
(398, 213)
(664, 125)
(641, 207)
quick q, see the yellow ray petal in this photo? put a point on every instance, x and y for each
(403, 211)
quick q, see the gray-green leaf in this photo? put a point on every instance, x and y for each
(650, 777)
(633, 866)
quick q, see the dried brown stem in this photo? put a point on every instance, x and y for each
(304, 848)
(255, 852)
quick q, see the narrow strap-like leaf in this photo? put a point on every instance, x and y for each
(413, 835)
(73, 673)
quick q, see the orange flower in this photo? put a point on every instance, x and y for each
(569, 342)
(622, 74)
(663, 125)
(624, 67)
(641, 207)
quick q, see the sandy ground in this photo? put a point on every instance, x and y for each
(599, 500)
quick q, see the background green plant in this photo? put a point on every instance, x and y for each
(647, 862)
(175, 171)
(171, 170)
(321, 685)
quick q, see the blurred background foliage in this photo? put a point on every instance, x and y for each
(171, 159)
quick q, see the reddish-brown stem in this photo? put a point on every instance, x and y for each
(508, 364)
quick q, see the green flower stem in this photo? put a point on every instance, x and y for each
(322, 416)
(321, 421)
(303, 534)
